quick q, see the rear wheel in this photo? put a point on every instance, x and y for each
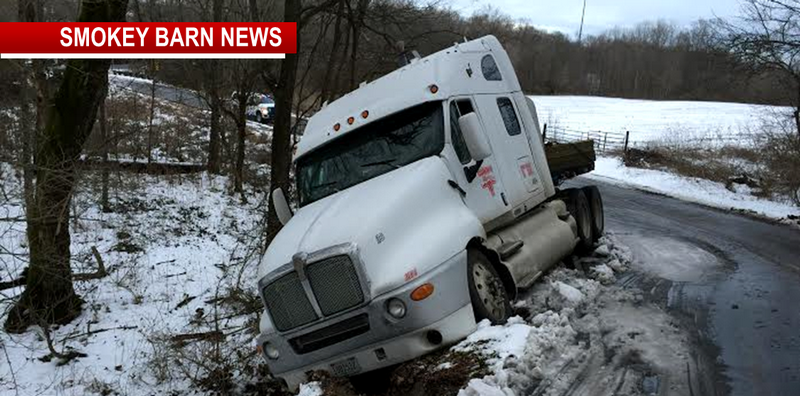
(578, 207)
(596, 206)
(486, 290)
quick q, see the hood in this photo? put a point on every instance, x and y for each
(406, 221)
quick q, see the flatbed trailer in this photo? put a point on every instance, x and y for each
(567, 160)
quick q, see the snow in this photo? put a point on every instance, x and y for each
(525, 353)
(165, 242)
(649, 120)
(604, 274)
(572, 294)
(611, 170)
(310, 389)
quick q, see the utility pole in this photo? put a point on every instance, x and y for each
(583, 14)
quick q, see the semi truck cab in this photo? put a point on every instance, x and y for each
(424, 201)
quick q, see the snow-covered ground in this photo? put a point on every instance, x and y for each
(649, 120)
(173, 247)
(706, 192)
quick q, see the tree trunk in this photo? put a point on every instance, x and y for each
(49, 296)
(216, 109)
(216, 102)
(328, 86)
(241, 129)
(152, 115)
(26, 13)
(797, 110)
(105, 141)
(281, 138)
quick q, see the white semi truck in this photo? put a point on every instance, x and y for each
(425, 201)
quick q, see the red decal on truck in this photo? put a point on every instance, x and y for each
(526, 169)
(411, 274)
(487, 179)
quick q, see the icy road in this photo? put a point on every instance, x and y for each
(732, 279)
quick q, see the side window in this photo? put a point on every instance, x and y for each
(457, 109)
(509, 116)
(490, 70)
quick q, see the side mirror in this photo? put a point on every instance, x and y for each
(476, 140)
(282, 208)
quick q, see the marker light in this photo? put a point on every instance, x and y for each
(434, 89)
(422, 292)
(396, 308)
(337, 127)
(364, 114)
(351, 120)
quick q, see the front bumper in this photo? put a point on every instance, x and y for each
(388, 341)
(453, 328)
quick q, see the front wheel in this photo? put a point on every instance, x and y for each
(486, 290)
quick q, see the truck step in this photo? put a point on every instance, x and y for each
(508, 249)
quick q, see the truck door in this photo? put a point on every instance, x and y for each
(485, 194)
(511, 150)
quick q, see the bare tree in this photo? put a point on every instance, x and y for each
(213, 91)
(49, 295)
(767, 37)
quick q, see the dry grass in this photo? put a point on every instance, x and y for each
(770, 165)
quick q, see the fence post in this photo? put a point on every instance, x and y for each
(627, 136)
(605, 139)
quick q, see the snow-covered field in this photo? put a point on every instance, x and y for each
(706, 192)
(649, 120)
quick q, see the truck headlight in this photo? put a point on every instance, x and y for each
(271, 351)
(396, 308)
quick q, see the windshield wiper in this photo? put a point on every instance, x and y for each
(389, 162)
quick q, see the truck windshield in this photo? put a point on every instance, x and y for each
(371, 151)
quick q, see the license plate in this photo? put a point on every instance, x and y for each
(346, 367)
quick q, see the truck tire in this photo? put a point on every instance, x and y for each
(578, 207)
(486, 290)
(596, 206)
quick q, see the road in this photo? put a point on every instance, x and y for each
(732, 279)
(165, 92)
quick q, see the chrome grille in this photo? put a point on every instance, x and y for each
(335, 284)
(287, 303)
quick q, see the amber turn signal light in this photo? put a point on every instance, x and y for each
(351, 120)
(422, 292)
(364, 114)
(434, 89)
(337, 127)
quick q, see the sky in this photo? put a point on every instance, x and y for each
(565, 15)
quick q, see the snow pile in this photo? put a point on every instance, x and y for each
(689, 189)
(310, 389)
(570, 293)
(582, 335)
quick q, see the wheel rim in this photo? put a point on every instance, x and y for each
(489, 290)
